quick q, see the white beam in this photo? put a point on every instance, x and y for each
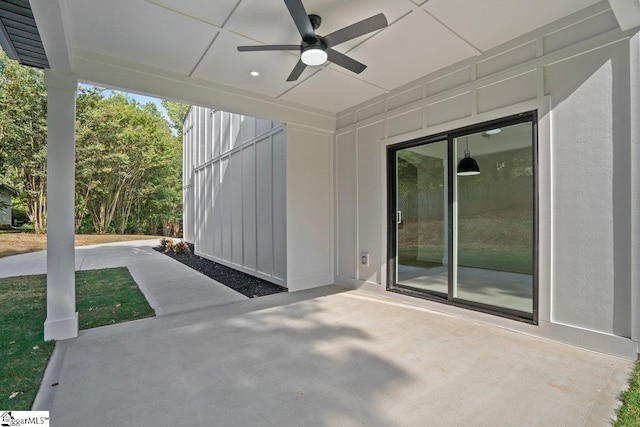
(627, 13)
(54, 26)
(62, 318)
(116, 73)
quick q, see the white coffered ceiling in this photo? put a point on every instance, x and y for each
(196, 40)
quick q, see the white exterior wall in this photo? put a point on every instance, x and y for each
(235, 191)
(310, 225)
(5, 212)
(576, 73)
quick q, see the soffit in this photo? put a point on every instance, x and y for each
(19, 34)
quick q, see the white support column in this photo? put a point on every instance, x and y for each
(62, 318)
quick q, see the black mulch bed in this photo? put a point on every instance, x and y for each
(246, 284)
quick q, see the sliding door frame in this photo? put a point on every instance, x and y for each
(450, 137)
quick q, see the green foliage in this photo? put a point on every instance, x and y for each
(128, 171)
(20, 214)
(176, 113)
(629, 413)
(103, 297)
(128, 156)
(23, 136)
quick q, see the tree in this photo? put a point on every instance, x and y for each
(128, 155)
(127, 164)
(176, 113)
(23, 136)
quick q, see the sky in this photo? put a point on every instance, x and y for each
(142, 99)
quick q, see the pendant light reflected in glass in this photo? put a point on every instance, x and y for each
(468, 166)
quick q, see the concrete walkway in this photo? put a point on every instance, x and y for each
(169, 286)
(323, 357)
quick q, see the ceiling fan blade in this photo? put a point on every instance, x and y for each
(268, 47)
(358, 29)
(300, 18)
(345, 62)
(297, 70)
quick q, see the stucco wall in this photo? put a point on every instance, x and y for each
(576, 73)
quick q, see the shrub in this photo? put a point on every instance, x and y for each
(166, 244)
(19, 215)
(181, 248)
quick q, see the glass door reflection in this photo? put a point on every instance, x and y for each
(421, 189)
(493, 219)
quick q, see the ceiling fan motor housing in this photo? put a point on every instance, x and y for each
(318, 43)
(315, 21)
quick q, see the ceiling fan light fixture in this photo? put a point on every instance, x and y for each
(313, 56)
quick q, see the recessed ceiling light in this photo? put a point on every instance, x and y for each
(255, 73)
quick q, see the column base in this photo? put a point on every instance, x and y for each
(61, 329)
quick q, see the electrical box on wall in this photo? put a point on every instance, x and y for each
(364, 258)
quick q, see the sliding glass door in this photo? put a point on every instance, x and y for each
(422, 217)
(463, 217)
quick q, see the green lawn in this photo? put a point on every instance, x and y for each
(103, 297)
(629, 413)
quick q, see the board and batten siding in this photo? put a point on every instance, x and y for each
(577, 73)
(234, 191)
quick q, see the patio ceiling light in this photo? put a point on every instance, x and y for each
(313, 55)
(468, 166)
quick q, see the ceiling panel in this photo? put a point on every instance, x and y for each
(488, 23)
(394, 59)
(225, 65)
(339, 14)
(215, 12)
(140, 32)
(198, 38)
(266, 21)
(331, 90)
(269, 21)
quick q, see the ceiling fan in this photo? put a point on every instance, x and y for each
(315, 49)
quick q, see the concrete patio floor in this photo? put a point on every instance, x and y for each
(324, 357)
